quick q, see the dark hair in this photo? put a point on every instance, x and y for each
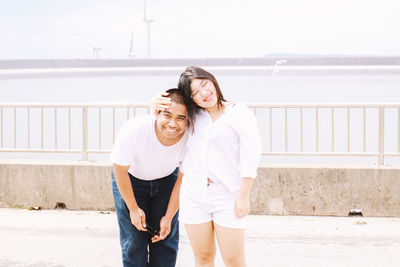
(178, 97)
(194, 72)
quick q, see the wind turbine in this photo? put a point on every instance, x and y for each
(148, 22)
(96, 51)
(131, 44)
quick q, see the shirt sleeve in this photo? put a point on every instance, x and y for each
(249, 144)
(123, 150)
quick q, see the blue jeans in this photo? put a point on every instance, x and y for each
(152, 197)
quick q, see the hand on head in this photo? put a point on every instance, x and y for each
(160, 102)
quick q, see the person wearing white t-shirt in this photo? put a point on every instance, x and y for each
(145, 180)
(219, 165)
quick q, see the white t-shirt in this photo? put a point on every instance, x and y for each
(225, 151)
(137, 145)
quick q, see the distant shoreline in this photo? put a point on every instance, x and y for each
(270, 60)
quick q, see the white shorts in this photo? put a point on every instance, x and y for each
(217, 205)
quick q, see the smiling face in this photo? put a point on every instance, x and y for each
(204, 93)
(171, 124)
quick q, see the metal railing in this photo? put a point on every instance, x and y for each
(380, 125)
(18, 120)
(83, 117)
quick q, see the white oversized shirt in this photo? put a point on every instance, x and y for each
(225, 151)
(137, 145)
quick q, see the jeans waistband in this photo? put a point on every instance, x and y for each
(173, 175)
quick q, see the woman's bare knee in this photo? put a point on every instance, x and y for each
(234, 261)
(205, 257)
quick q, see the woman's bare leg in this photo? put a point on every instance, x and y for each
(202, 240)
(231, 244)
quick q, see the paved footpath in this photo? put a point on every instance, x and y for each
(89, 238)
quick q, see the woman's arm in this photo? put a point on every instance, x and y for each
(242, 203)
(249, 157)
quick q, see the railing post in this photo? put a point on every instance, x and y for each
(84, 133)
(381, 159)
(15, 128)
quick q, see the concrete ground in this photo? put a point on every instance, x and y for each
(90, 238)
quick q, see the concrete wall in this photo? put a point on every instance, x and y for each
(327, 190)
(80, 185)
(282, 190)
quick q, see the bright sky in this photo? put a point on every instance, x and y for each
(198, 28)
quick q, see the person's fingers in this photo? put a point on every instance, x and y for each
(142, 220)
(143, 223)
(239, 214)
(242, 208)
(161, 235)
(164, 232)
(164, 94)
(239, 211)
(135, 219)
(163, 103)
(162, 107)
(155, 239)
(163, 228)
(138, 225)
(164, 99)
(243, 212)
